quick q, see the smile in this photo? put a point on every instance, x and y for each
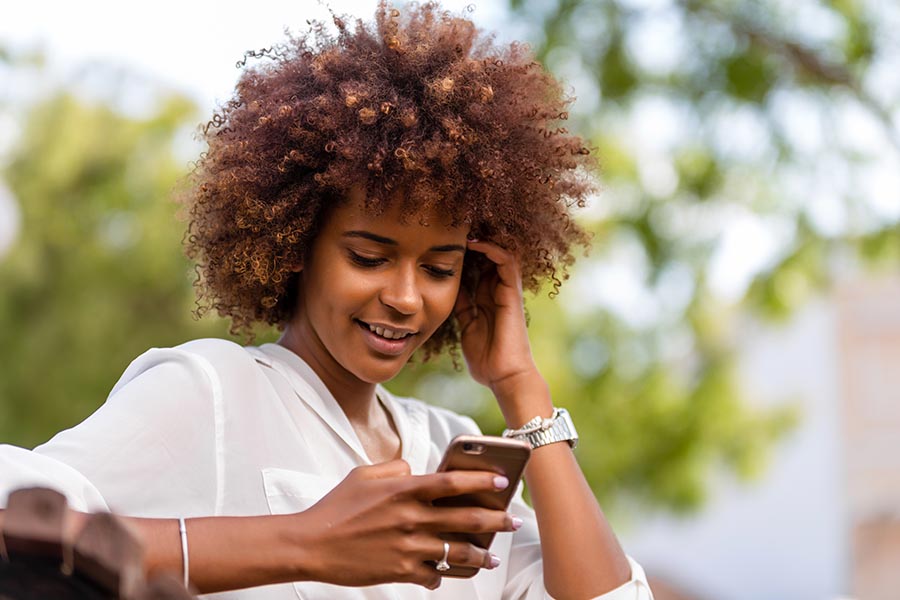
(376, 337)
(385, 332)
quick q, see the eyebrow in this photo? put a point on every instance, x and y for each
(368, 235)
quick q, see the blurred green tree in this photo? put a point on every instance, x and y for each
(95, 276)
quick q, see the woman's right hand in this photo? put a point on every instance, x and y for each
(379, 526)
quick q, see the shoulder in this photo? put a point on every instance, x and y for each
(207, 361)
(215, 349)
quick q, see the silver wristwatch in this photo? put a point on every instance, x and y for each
(541, 431)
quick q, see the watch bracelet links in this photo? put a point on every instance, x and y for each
(541, 431)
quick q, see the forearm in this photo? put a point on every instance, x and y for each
(581, 555)
(225, 553)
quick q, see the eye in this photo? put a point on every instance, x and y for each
(439, 273)
(365, 261)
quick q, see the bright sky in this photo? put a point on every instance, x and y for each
(191, 45)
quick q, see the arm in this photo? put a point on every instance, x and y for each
(377, 526)
(497, 351)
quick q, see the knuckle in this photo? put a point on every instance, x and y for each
(427, 578)
(478, 522)
(407, 521)
(410, 544)
(397, 492)
(454, 482)
(471, 556)
(405, 568)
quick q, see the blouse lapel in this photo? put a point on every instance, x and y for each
(311, 391)
(411, 419)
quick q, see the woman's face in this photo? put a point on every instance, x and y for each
(374, 289)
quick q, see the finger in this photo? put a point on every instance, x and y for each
(467, 519)
(465, 311)
(426, 576)
(454, 483)
(496, 254)
(463, 303)
(462, 554)
(385, 470)
(507, 263)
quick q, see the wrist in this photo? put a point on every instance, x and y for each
(522, 397)
(297, 545)
(542, 431)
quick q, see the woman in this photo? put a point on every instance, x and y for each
(390, 189)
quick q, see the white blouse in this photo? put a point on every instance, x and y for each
(212, 428)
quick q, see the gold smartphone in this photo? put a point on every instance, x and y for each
(503, 456)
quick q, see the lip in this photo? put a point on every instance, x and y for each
(384, 345)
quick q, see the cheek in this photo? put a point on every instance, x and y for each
(441, 303)
(342, 292)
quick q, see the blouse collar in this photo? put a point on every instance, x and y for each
(309, 387)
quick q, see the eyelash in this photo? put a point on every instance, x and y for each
(365, 261)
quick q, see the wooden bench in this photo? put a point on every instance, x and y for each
(103, 563)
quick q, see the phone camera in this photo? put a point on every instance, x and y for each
(473, 448)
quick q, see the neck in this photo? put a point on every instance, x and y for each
(355, 396)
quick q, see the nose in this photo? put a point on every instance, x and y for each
(401, 290)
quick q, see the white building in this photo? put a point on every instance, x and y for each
(824, 521)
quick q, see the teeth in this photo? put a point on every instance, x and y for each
(387, 333)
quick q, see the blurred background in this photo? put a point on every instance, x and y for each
(730, 349)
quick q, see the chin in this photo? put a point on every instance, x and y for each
(380, 373)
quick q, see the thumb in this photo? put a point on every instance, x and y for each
(391, 468)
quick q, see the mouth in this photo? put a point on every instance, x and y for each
(386, 340)
(386, 332)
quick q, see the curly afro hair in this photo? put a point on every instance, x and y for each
(419, 102)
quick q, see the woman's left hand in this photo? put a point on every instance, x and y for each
(494, 335)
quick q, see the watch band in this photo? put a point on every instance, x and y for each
(542, 431)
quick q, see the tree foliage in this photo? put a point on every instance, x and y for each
(95, 276)
(748, 149)
(739, 143)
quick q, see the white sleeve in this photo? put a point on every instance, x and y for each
(525, 579)
(21, 468)
(153, 448)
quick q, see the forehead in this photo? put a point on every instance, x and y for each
(353, 215)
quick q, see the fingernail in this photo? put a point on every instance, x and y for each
(472, 239)
(495, 561)
(500, 482)
(516, 523)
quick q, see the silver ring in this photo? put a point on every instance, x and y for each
(442, 565)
